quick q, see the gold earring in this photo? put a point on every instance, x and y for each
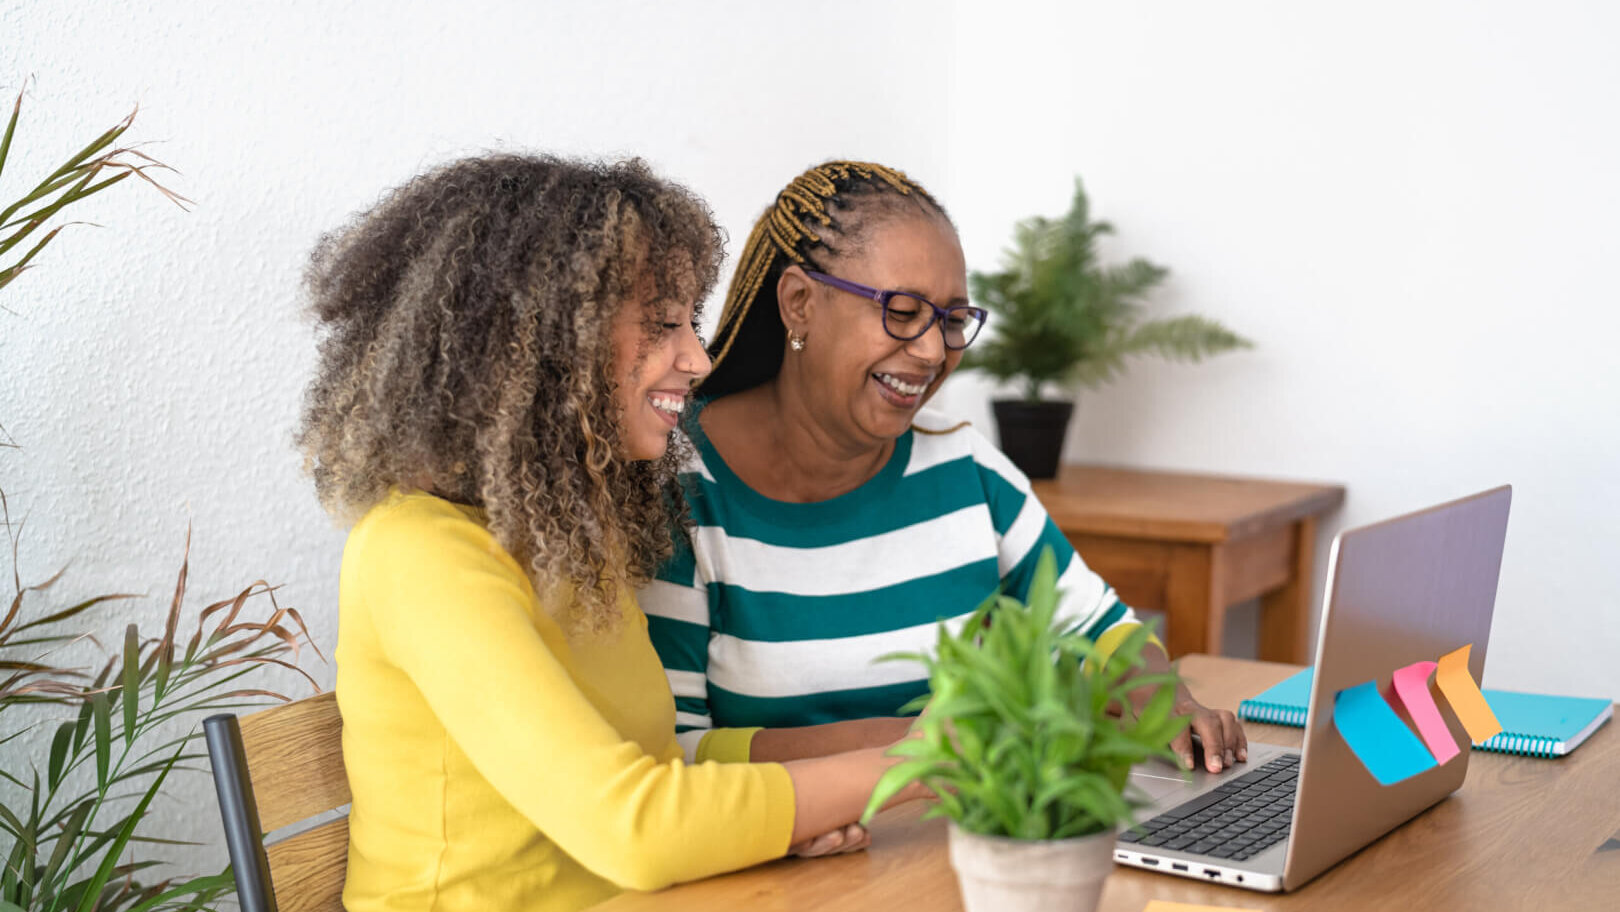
(795, 341)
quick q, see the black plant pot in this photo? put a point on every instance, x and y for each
(1032, 433)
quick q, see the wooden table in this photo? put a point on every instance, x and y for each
(1192, 546)
(1522, 833)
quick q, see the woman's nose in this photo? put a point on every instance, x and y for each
(930, 346)
(693, 358)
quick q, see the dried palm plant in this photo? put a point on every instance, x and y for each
(72, 822)
(92, 169)
(67, 829)
(87, 172)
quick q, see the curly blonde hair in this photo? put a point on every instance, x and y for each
(466, 352)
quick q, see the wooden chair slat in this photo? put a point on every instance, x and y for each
(309, 868)
(295, 756)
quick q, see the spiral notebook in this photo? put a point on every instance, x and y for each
(1536, 725)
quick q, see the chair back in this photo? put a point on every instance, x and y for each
(273, 769)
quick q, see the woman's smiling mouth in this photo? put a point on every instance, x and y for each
(902, 392)
(668, 406)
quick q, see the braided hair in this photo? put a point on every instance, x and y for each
(825, 211)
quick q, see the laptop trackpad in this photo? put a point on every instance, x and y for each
(1160, 779)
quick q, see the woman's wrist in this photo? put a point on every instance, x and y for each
(891, 730)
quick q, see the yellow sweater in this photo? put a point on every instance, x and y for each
(496, 763)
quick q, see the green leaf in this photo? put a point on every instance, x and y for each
(207, 887)
(67, 837)
(20, 865)
(103, 725)
(60, 745)
(132, 681)
(92, 894)
(11, 129)
(1043, 594)
(893, 780)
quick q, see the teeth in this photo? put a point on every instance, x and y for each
(667, 404)
(904, 389)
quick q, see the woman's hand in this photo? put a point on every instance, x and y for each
(1221, 733)
(852, 838)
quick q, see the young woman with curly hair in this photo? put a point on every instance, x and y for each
(507, 343)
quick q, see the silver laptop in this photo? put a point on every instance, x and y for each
(1405, 590)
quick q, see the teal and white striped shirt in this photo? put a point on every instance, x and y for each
(772, 614)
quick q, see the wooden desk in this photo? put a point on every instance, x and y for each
(1521, 833)
(1192, 546)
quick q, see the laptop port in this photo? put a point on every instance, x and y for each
(1212, 873)
(1151, 861)
(1240, 878)
(1178, 866)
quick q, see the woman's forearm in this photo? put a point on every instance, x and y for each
(831, 792)
(780, 745)
(1155, 661)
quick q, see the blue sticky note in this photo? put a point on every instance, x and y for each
(1378, 737)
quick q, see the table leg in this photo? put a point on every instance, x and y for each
(1285, 612)
(1194, 615)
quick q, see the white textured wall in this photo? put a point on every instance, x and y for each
(1411, 208)
(154, 367)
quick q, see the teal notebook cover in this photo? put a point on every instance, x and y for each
(1538, 725)
(1284, 703)
(1541, 725)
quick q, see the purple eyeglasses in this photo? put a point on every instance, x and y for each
(903, 313)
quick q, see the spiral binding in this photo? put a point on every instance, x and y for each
(1524, 745)
(1272, 713)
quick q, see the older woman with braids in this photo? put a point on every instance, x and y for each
(507, 342)
(836, 519)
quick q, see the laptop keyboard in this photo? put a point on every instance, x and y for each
(1236, 821)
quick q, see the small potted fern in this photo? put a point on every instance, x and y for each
(1027, 740)
(1063, 319)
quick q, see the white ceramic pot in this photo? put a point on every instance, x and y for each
(998, 874)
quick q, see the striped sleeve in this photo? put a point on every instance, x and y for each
(1024, 530)
(677, 606)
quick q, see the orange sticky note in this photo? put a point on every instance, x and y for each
(1159, 905)
(1463, 694)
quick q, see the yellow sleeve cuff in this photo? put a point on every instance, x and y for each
(780, 804)
(725, 745)
(1104, 645)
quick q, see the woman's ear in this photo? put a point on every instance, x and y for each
(795, 298)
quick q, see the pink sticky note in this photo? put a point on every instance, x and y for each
(1412, 688)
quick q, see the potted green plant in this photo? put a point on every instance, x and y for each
(1027, 739)
(1062, 319)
